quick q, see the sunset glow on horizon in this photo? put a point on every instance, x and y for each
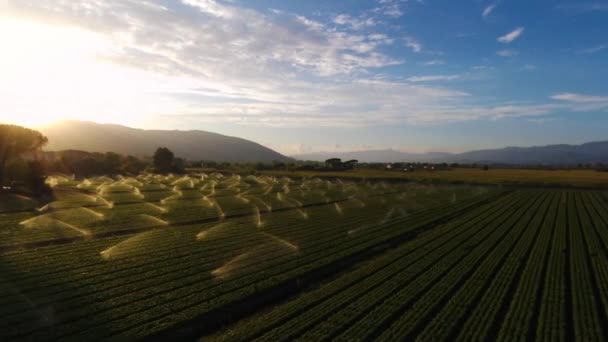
(314, 76)
(52, 73)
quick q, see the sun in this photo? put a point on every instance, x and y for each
(52, 72)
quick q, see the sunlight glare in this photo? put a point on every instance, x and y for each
(52, 73)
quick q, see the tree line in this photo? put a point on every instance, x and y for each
(24, 166)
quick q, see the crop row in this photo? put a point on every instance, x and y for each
(552, 315)
(459, 284)
(525, 304)
(277, 223)
(351, 284)
(193, 302)
(345, 206)
(179, 243)
(595, 255)
(584, 311)
(382, 285)
(536, 268)
(487, 312)
(137, 216)
(301, 259)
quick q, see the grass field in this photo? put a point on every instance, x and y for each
(264, 258)
(515, 177)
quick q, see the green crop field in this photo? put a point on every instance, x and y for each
(234, 258)
(589, 179)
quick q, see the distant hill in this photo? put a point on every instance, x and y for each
(593, 152)
(370, 156)
(192, 145)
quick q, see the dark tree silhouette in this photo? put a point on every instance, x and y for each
(333, 163)
(36, 179)
(15, 141)
(133, 166)
(178, 165)
(112, 162)
(163, 160)
(350, 164)
(87, 164)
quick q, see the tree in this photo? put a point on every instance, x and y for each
(163, 160)
(133, 166)
(278, 165)
(333, 163)
(112, 163)
(36, 180)
(350, 164)
(15, 141)
(178, 165)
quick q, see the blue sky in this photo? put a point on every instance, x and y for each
(302, 76)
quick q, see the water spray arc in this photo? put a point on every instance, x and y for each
(155, 219)
(230, 266)
(283, 242)
(258, 217)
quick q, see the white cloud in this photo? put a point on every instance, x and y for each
(219, 63)
(434, 62)
(413, 44)
(390, 8)
(428, 78)
(594, 49)
(511, 36)
(580, 98)
(582, 102)
(507, 53)
(215, 37)
(354, 23)
(488, 10)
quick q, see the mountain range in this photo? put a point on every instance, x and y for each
(203, 145)
(593, 152)
(191, 145)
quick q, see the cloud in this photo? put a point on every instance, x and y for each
(507, 53)
(434, 62)
(579, 98)
(373, 102)
(511, 36)
(413, 44)
(428, 78)
(582, 102)
(220, 63)
(594, 49)
(390, 8)
(488, 10)
(359, 103)
(211, 38)
(354, 23)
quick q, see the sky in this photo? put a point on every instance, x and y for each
(307, 76)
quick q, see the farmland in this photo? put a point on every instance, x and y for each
(239, 258)
(573, 178)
